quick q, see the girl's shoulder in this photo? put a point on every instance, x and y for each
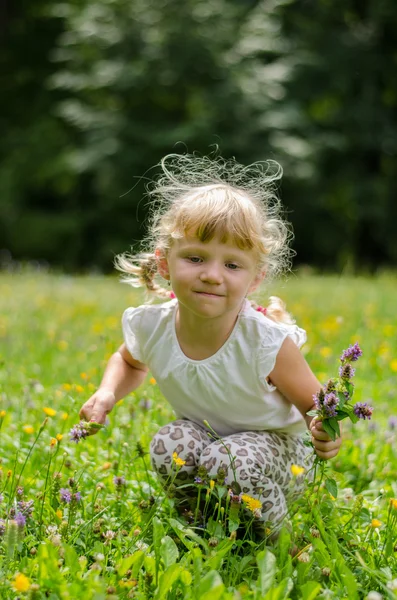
(151, 314)
(257, 326)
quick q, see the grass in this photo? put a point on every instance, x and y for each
(123, 537)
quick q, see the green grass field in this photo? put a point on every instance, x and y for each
(122, 538)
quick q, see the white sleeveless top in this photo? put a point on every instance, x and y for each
(228, 389)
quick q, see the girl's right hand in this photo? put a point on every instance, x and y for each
(98, 406)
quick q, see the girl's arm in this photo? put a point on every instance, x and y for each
(123, 374)
(295, 380)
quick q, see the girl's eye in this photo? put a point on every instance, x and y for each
(194, 259)
(232, 266)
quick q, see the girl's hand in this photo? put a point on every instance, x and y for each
(98, 407)
(325, 448)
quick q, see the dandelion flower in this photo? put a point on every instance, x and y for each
(28, 429)
(2, 414)
(21, 583)
(59, 436)
(252, 503)
(178, 461)
(53, 442)
(296, 470)
(50, 412)
(393, 503)
(152, 381)
(376, 523)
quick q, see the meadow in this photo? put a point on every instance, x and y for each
(90, 519)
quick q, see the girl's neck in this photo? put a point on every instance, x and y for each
(201, 338)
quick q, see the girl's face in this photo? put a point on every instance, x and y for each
(210, 279)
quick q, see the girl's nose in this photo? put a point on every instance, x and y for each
(212, 273)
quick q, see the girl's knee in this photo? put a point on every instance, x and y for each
(176, 446)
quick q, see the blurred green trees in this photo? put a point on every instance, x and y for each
(98, 91)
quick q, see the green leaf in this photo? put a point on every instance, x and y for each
(266, 562)
(158, 533)
(211, 587)
(328, 429)
(335, 425)
(136, 559)
(332, 487)
(169, 551)
(310, 590)
(167, 580)
(281, 592)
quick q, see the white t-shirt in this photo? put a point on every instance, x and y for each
(228, 389)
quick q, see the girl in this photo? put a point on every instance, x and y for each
(216, 235)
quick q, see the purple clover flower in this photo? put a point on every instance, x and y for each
(26, 508)
(20, 520)
(363, 410)
(119, 481)
(76, 497)
(77, 433)
(392, 423)
(330, 404)
(65, 495)
(346, 371)
(330, 386)
(352, 354)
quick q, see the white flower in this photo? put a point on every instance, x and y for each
(392, 585)
(374, 596)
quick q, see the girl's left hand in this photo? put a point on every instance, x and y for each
(325, 448)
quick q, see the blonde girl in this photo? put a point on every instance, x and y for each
(216, 235)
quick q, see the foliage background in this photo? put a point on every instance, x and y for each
(95, 92)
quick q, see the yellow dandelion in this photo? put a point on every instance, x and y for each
(325, 351)
(84, 376)
(375, 523)
(393, 365)
(252, 503)
(9, 473)
(393, 503)
(64, 416)
(79, 388)
(212, 484)
(50, 412)
(59, 513)
(178, 461)
(152, 381)
(59, 436)
(2, 414)
(67, 387)
(296, 470)
(106, 466)
(53, 442)
(21, 583)
(28, 429)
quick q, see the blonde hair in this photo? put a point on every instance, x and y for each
(210, 196)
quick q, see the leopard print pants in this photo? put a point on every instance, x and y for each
(262, 462)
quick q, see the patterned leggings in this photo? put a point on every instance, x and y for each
(262, 462)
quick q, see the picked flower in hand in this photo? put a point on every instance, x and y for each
(83, 430)
(332, 402)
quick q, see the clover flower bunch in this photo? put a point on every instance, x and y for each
(333, 400)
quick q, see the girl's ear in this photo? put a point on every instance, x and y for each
(162, 263)
(257, 281)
